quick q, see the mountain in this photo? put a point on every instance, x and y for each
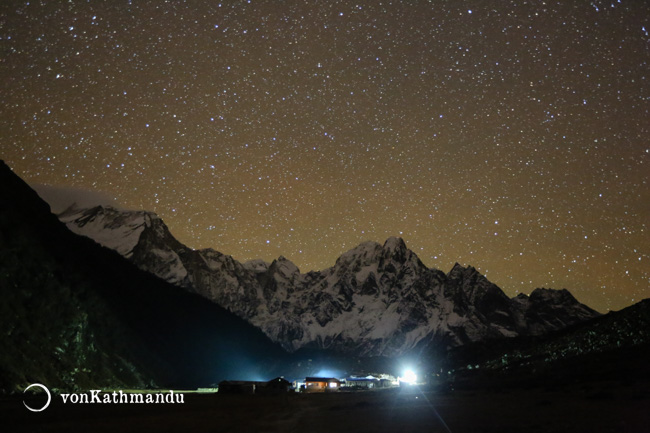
(613, 349)
(75, 315)
(377, 299)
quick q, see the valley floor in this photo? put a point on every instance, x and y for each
(583, 408)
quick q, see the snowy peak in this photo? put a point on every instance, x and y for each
(371, 252)
(552, 296)
(395, 245)
(373, 268)
(284, 267)
(459, 271)
(110, 227)
(549, 309)
(140, 236)
(395, 251)
(257, 266)
(472, 282)
(377, 299)
(362, 255)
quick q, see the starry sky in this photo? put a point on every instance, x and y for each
(508, 135)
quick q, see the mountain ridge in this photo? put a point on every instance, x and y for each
(377, 299)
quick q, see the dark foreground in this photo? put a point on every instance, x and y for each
(582, 409)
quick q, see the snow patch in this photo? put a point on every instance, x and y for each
(100, 224)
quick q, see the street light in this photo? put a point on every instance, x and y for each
(409, 377)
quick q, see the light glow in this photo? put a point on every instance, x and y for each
(409, 377)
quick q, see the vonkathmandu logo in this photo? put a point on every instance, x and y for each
(116, 397)
(97, 396)
(47, 391)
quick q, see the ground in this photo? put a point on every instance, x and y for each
(583, 408)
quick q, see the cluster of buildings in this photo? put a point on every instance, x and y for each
(309, 384)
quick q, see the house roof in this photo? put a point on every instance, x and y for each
(321, 379)
(280, 379)
(361, 379)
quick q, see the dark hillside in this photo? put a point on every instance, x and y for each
(614, 347)
(76, 315)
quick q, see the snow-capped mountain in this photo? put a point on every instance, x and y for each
(376, 299)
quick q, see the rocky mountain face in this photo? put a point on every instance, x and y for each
(376, 299)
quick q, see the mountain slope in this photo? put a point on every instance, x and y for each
(75, 315)
(378, 299)
(613, 348)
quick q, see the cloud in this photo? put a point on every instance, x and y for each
(60, 198)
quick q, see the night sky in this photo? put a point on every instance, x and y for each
(508, 135)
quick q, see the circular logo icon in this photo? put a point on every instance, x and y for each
(47, 391)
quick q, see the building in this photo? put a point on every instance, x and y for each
(321, 384)
(368, 382)
(275, 386)
(372, 381)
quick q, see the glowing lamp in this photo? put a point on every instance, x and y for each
(409, 377)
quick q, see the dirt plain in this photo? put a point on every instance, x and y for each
(585, 408)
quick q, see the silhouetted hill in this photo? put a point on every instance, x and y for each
(77, 315)
(614, 347)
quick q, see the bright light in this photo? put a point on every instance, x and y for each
(332, 384)
(329, 372)
(409, 377)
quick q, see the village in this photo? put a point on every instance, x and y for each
(280, 385)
